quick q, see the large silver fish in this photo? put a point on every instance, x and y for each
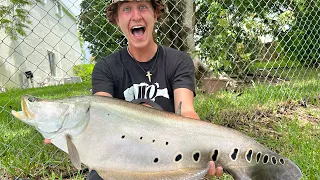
(122, 140)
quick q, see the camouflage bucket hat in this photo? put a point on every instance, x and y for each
(116, 1)
(112, 9)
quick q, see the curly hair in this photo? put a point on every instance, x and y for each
(112, 10)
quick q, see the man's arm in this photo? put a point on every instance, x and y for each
(185, 96)
(103, 94)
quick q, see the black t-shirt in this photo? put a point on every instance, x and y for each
(121, 76)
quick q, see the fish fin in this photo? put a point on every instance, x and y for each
(149, 102)
(73, 153)
(185, 174)
(179, 108)
(286, 171)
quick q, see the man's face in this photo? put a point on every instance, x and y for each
(137, 20)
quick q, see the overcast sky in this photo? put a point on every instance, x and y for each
(73, 6)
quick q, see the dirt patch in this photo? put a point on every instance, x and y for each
(303, 111)
(265, 121)
(311, 114)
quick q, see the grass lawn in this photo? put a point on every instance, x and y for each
(284, 117)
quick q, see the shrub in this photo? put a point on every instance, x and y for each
(84, 71)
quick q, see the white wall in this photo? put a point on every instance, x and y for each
(48, 32)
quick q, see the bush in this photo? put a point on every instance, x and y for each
(84, 71)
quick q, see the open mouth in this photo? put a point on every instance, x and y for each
(138, 30)
(25, 113)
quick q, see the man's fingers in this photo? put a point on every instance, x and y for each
(215, 171)
(47, 141)
(148, 105)
(212, 169)
(219, 171)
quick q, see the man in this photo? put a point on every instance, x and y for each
(144, 70)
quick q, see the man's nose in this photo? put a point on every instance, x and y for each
(136, 16)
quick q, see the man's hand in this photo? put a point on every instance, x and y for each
(47, 141)
(215, 171)
(148, 105)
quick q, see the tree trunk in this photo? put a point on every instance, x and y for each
(177, 31)
(173, 25)
(188, 25)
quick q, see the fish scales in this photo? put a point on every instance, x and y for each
(122, 140)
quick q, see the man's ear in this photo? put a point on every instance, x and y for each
(155, 17)
(117, 20)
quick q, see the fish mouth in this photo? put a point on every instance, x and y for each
(25, 114)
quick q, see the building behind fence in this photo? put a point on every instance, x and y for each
(47, 54)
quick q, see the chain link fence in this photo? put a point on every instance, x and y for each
(271, 46)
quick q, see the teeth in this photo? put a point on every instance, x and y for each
(135, 27)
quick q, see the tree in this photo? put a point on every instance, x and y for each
(228, 31)
(172, 31)
(14, 17)
(301, 40)
(103, 37)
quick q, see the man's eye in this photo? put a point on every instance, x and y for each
(143, 7)
(126, 9)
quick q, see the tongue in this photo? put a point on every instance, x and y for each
(138, 32)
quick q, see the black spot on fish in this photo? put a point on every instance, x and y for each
(153, 140)
(167, 143)
(265, 158)
(258, 157)
(178, 157)
(88, 109)
(214, 156)
(281, 161)
(141, 138)
(122, 137)
(249, 155)
(234, 154)
(155, 160)
(274, 160)
(196, 156)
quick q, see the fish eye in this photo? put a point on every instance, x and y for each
(31, 99)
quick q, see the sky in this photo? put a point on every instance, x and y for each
(73, 6)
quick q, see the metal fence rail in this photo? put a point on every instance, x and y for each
(235, 45)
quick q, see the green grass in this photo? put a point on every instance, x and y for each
(304, 85)
(256, 111)
(272, 115)
(301, 144)
(22, 151)
(278, 64)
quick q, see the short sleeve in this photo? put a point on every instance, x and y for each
(102, 80)
(184, 74)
